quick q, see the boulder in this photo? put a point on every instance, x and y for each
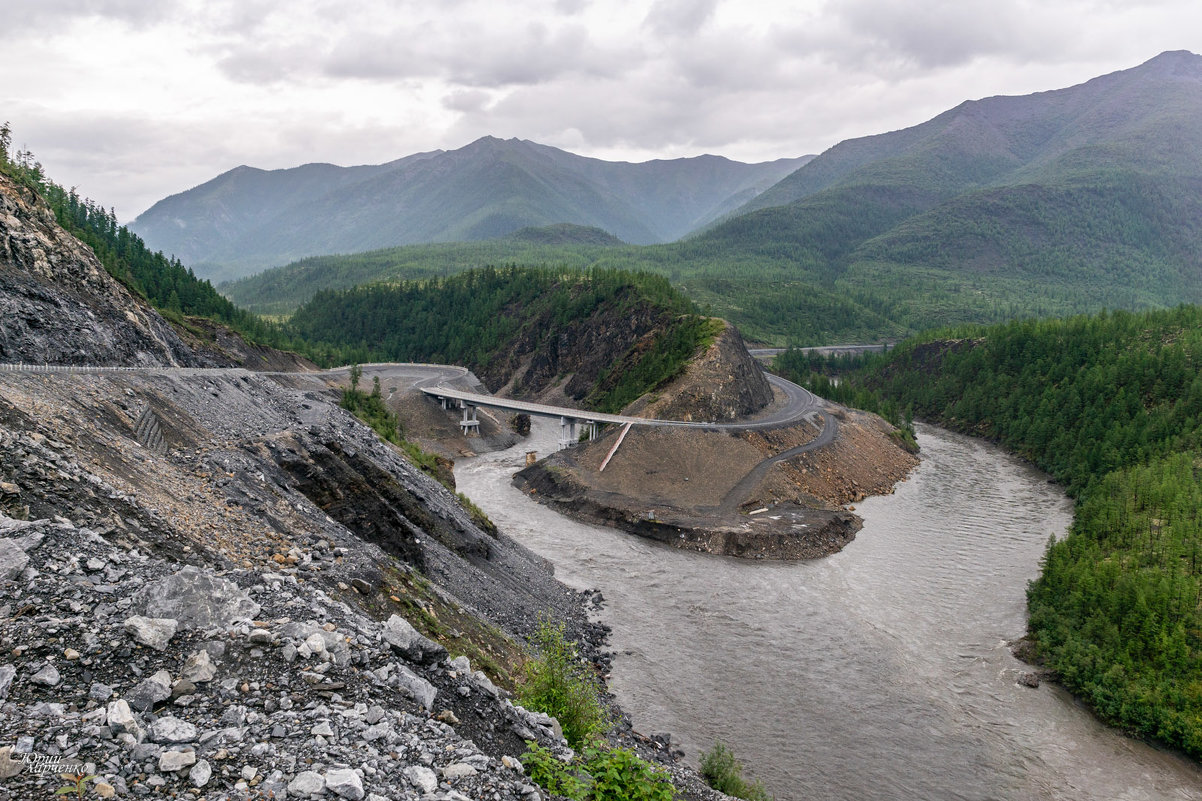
(197, 599)
(171, 761)
(6, 679)
(307, 783)
(149, 691)
(418, 688)
(422, 778)
(47, 676)
(121, 718)
(345, 782)
(12, 560)
(410, 644)
(200, 774)
(154, 632)
(168, 729)
(199, 668)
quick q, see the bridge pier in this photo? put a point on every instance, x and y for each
(567, 432)
(470, 422)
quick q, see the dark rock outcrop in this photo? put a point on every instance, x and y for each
(58, 305)
(722, 384)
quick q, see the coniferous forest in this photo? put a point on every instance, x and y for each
(1111, 406)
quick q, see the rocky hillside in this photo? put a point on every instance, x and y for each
(218, 586)
(58, 305)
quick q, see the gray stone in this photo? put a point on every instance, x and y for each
(461, 664)
(9, 767)
(168, 729)
(322, 729)
(47, 676)
(200, 773)
(458, 770)
(197, 599)
(6, 679)
(422, 778)
(199, 668)
(345, 782)
(484, 683)
(121, 718)
(171, 761)
(149, 692)
(307, 783)
(398, 633)
(155, 632)
(260, 637)
(234, 716)
(12, 560)
(418, 688)
(100, 692)
(377, 732)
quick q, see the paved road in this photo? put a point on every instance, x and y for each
(799, 403)
(434, 379)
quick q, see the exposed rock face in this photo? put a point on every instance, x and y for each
(58, 305)
(723, 384)
(581, 350)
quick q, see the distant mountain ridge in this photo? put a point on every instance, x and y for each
(1012, 139)
(247, 219)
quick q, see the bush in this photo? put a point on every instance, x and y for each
(620, 775)
(556, 682)
(724, 773)
(603, 774)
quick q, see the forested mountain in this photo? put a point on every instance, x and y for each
(249, 219)
(1082, 197)
(1111, 405)
(1050, 204)
(615, 335)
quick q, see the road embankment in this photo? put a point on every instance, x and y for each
(781, 494)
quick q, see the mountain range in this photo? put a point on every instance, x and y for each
(247, 219)
(1053, 203)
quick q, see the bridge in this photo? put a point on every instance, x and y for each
(800, 404)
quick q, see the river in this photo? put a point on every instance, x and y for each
(881, 672)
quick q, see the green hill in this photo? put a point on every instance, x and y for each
(616, 335)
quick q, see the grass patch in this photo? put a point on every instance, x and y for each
(722, 771)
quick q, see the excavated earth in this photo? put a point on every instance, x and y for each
(735, 494)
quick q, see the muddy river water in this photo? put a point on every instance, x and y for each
(881, 672)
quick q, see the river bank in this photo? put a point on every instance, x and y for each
(880, 672)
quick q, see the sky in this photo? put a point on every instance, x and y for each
(134, 100)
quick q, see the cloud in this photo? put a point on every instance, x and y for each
(53, 16)
(137, 99)
(679, 17)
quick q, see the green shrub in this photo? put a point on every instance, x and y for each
(724, 773)
(552, 774)
(620, 775)
(558, 683)
(602, 774)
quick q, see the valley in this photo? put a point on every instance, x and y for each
(466, 418)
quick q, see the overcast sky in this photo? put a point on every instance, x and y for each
(134, 100)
